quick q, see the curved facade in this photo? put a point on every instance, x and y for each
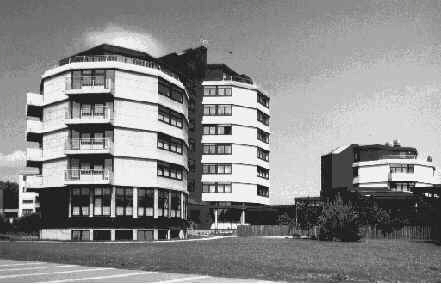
(113, 149)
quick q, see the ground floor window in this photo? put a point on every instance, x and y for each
(80, 201)
(101, 202)
(80, 235)
(124, 201)
(175, 208)
(145, 201)
(163, 203)
(101, 235)
(145, 235)
(123, 235)
(262, 191)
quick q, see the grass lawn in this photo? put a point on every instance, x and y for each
(253, 257)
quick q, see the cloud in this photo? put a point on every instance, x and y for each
(14, 159)
(126, 37)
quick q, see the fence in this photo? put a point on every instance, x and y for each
(420, 232)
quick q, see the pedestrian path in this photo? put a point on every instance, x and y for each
(37, 271)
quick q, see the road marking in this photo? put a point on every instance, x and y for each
(101, 277)
(36, 267)
(19, 264)
(179, 280)
(55, 272)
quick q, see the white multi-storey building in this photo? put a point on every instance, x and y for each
(235, 145)
(111, 126)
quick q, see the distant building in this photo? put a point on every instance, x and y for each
(379, 171)
(28, 202)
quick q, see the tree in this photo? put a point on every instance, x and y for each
(339, 221)
(10, 194)
(28, 224)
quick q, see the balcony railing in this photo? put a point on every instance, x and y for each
(398, 156)
(237, 78)
(87, 176)
(97, 115)
(33, 99)
(34, 181)
(34, 154)
(90, 83)
(118, 58)
(89, 145)
(34, 126)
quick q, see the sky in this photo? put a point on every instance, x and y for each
(337, 72)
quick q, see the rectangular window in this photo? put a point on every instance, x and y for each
(263, 136)
(210, 91)
(172, 92)
(216, 187)
(169, 143)
(216, 129)
(224, 91)
(90, 77)
(170, 117)
(262, 172)
(262, 154)
(80, 201)
(80, 235)
(217, 91)
(221, 169)
(218, 110)
(124, 201)
(175, 204)
(355, 172)
(262, 117)
(163, 203)
(402, 186)
(216, 149)
(402, 168)
(262, 99)
(145, 201)
(101, 202)
(170, 171)
(262, 191)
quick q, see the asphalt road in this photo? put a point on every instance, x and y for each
(33, 271)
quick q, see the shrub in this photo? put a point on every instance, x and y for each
(28, 224)
(339, 221)
(5, 226)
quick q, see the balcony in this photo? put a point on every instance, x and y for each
(88, 146)
(87, 176)
(34, 157)
(34, 104)
(34, 130)
(399, 156)
(89, 85)
(402, 176)
(101, 116)
(34, 181)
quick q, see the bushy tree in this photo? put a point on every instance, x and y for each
(340, 221)
(5, 226)
(28, 224)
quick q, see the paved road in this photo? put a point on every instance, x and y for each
(33, 271)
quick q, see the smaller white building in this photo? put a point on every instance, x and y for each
(28, 202)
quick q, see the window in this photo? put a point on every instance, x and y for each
(80, 235)
(145, 201)
(170, 171)
(162, 203)
(262, 154)
(170, 117)
(220, 110)
(175, 204)
(170, 91)
(355, 172)
(124, 201)
(216, 149)
(28, 201)
(169, 143)
(402, 186)
(221, 169)
(217, 91)
(263, 136)
(216, 129)
(27, 212)
(90, 77)
(262, 99)
(80, 201)
(185, 206)
(216, 187)
(262, 191)
(402, 168)
(101, 202)
(262, 172)
(262, 117)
